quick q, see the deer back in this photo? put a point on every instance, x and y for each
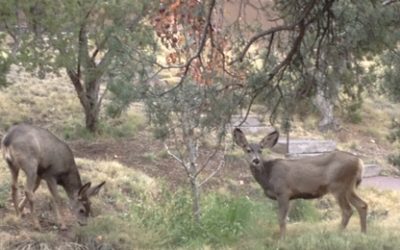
(29, 147)
(310, 177)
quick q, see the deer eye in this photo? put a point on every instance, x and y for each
(248, 150)
(82, 211)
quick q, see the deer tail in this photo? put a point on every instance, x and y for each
(360, 172)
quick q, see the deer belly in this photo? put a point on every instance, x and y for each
(317, 193)
(305, 196)
(270, 194)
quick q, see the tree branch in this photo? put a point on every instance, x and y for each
(220, 165)
(200, 49)
(274, 30)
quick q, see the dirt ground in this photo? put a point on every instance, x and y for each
(147, 155)
(140, 154)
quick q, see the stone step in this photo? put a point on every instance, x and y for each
(371, 170)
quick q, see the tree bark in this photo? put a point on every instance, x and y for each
(325, 106)
(195, 188)
(89, 99)
(324, 99)
(196, 199)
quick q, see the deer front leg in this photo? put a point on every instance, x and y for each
(57, 203)
(283, 208)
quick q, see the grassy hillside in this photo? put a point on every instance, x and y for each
(146, 205)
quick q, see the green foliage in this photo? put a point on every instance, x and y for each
(326, 240)
(394, 136)
(394, 159)
(165, 222)
(190, 106)
(125, 126)
(77, 131)
(168, 223)
(4, 193)
(391, 76)
(225, 219)
(353, 112)
(303, 210)
(93, 42)
(5, 64)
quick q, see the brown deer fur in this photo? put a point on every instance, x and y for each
(42, 156)
(338, 173)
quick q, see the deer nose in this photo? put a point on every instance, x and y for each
(256, 161)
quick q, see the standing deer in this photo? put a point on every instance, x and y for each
(337, 172)
(41, 155)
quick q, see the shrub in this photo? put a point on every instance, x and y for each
(167, 222)
(395, 160)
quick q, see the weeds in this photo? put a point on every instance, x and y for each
(301, 210)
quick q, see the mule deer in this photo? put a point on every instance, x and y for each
(41, 155)
(308, 178)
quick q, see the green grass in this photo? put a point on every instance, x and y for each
(137, 212)
(303, 210)
(169, 222)
(4, 192)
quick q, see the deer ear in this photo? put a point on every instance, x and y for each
(95, 190)
(239, 138)
(83, 190)
(270, 140)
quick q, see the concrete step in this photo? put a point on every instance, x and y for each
(371, 170)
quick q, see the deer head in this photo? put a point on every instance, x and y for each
(81, 202)
(254, 151)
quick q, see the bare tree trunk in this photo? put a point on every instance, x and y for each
(89, 99)
(324, 100)
(325, 106)
(93, 107)
(195, 187)
(91, 117)
(196, 199)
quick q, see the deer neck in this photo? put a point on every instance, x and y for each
(72, 184)
(262, 174)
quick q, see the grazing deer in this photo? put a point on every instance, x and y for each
(41, 155)
(308, 178)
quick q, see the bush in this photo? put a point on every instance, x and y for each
(224, 218)
(353, 113)
(5, 192)
(167, 222)
(394, 159)
(124, 126)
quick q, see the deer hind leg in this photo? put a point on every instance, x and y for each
(362, 209)
(22, 204)
(345, 208)
(57, 204)
(31, 180)
(14, 187)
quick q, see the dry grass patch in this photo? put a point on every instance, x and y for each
(51, 102)
(124, 186)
